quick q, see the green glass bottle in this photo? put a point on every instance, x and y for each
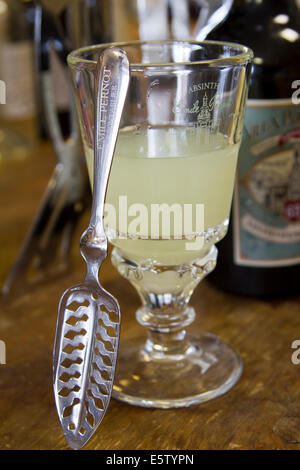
(260, 256)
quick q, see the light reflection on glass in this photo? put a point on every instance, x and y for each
(289, 34)
(281, 19)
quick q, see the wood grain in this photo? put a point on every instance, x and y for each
(261, 412)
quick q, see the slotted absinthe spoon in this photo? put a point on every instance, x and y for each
(88, 324)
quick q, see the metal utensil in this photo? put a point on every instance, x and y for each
(88, 324)
(211, 15)
(45, 250)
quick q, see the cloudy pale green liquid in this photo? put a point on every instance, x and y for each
(164, 165)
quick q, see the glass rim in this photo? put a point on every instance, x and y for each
(244, 55)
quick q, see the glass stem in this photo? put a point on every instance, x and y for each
(165, 292)
(166, 328)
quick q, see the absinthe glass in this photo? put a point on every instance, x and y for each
(168, 203)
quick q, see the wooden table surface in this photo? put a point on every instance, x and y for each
(261, 412)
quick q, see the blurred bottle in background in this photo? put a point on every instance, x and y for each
(260, 256)
(18, 116)
(66, 25)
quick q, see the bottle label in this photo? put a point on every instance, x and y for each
(266, 206)
(16, 61)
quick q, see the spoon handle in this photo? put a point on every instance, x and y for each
(111, 85)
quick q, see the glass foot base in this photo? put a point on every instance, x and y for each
(208, 369)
